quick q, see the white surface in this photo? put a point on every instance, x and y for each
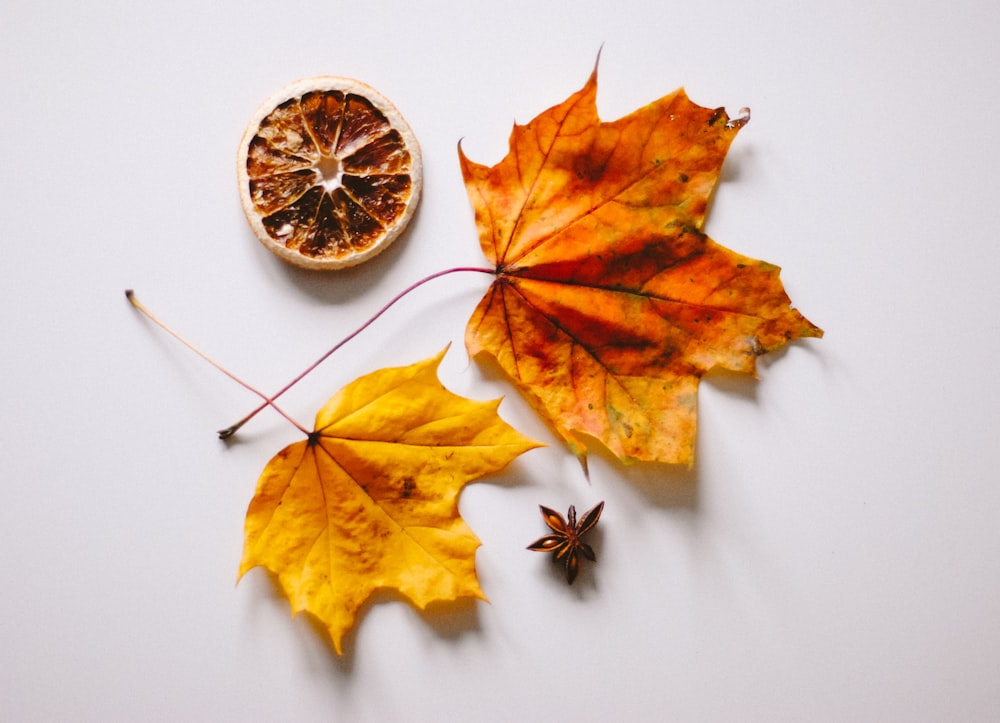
(835, 553)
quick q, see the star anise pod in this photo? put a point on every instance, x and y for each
(565, 540)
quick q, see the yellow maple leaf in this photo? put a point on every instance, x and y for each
(370, 500)
(610, 302)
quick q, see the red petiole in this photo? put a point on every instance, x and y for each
(269, 401)
(130, 295)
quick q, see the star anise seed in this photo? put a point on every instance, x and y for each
(565, 540)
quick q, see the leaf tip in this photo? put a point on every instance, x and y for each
(597, 61)
(740, 120)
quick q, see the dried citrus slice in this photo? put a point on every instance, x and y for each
(329, 173)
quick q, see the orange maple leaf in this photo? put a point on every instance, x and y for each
(370, 500)
(609, 302)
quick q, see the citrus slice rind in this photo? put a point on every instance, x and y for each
(329, 173)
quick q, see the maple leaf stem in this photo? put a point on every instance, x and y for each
(232, 429)
(130, 295)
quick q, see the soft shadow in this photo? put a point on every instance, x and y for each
(663, 485)
(343, 285)
(449, 619)
(733, 169)
(800, 345)
(452, 620)
(737, 160)
(343, 664)
(736, 384)
(667, 486)
(239, 438)
(312, 634)
(515, 474)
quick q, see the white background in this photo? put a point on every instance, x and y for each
(833, 555)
